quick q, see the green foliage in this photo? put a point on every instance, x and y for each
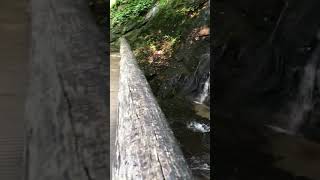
(174, 19)
(155, 42)
(129, 10)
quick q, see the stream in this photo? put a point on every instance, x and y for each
(296, 153)
(199, 162)
(304, 102)
(190, 122)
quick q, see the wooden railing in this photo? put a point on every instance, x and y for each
(145, 145)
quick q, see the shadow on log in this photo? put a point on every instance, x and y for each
(145, 145)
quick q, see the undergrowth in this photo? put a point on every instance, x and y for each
(129, 10)
(155, 42)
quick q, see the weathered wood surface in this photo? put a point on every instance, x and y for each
(114, 88)
(13, 86)
(145, 145)
(67, 112)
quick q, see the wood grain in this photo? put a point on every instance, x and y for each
(145, 145)
(67, 106)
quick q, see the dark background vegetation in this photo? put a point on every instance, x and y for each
(260, 49)
(100, 9)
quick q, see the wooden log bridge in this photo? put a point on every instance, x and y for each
(145, 145)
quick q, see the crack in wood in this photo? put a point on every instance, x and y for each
(70, 115)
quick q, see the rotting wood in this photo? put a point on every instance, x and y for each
(145, 145)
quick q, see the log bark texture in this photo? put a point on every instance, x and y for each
(145, 145)
(67, 134)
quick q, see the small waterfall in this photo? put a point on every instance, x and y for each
(198, 127)
(205, 92)
(304, 102)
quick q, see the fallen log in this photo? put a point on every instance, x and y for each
(145, 145)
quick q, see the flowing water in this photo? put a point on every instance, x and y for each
(200, 164)
(190, 122)
(203, 96)
(296, 154)
(304, 101)
(198, 127)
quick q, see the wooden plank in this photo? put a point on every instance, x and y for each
(145, 145)
(67, 106)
